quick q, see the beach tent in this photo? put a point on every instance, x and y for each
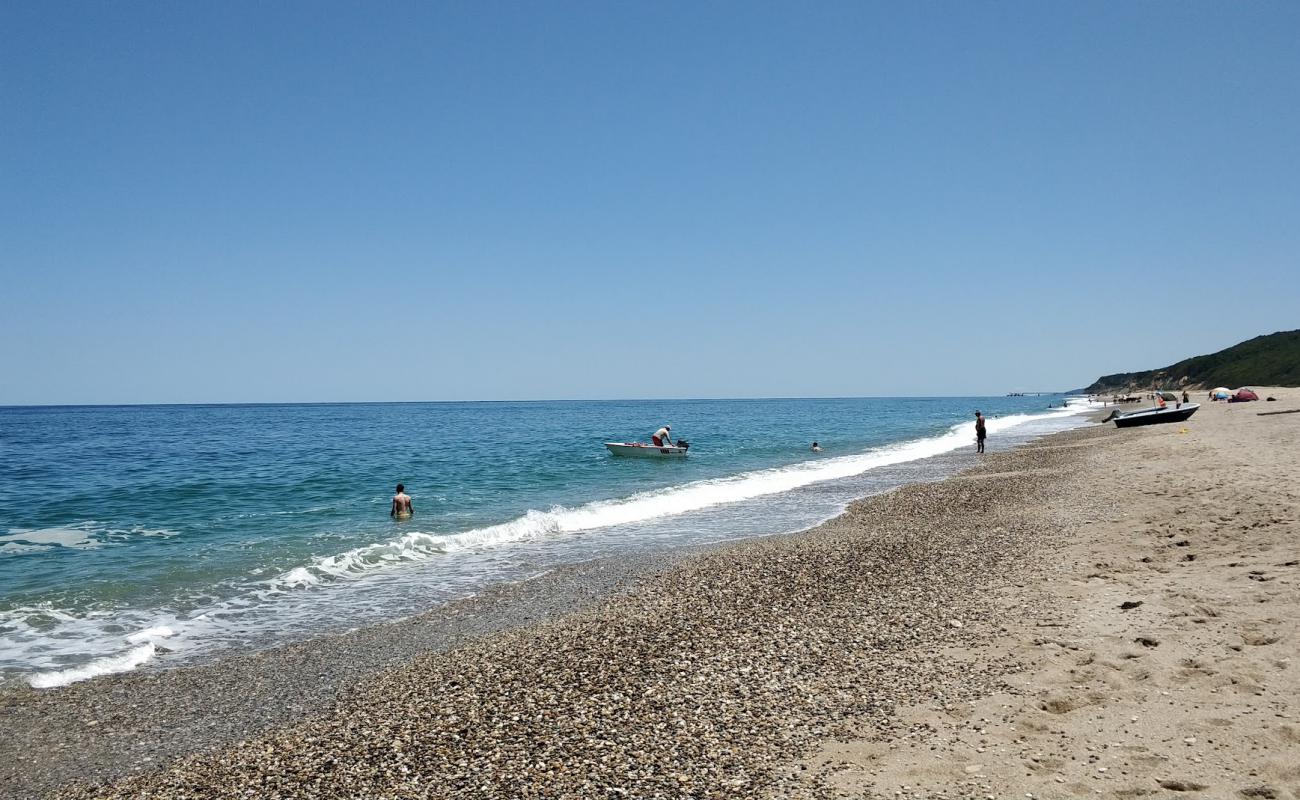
(1169, 397)
(1221, 393)
(1243, 395)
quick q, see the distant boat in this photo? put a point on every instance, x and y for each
(1155, 416)
(639, 450)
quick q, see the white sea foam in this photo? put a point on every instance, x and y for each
(16, 549)
(77, 538)
(150, 634)
(100, 666)
(87, 535)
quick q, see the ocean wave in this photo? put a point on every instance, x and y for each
(100, 666)
(45, 637)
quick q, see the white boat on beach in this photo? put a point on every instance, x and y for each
(640, 450)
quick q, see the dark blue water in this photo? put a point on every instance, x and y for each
(122, 528)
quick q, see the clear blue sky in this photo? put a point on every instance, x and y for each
(211, 202)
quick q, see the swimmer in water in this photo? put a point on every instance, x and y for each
(401, 504)
(816, 448)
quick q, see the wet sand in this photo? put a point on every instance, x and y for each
(957, 639)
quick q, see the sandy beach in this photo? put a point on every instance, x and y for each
(1104, 612)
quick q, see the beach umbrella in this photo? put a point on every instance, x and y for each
(1222, 393)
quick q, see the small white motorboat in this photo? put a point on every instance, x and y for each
(640, 450)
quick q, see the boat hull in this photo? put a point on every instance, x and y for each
(637, 450)
(1155, 416)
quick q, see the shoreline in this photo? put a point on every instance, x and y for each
(291, 600)
(215, 702)
(171, 713)
(961, 638)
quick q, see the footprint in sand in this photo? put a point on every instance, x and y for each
(1192, 667)
(1258, 639)
(1064, 704)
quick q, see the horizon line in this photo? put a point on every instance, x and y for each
(535, 400)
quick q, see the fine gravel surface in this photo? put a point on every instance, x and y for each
(706, 680)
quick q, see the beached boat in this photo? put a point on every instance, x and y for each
(1154, 416)
(639, 450)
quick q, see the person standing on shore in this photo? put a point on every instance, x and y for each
(401, 508)
(980, 432)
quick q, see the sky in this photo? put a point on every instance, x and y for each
(281, 202)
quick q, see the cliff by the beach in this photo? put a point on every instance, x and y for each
(1273, 360)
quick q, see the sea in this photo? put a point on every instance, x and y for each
(148, 536)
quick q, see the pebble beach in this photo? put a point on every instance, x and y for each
(972, 637)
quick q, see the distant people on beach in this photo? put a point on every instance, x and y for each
(401, 508)
(1186, 399)
(663, 437)
(816, 448)
(980, 432)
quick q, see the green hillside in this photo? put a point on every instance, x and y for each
(1272, 360)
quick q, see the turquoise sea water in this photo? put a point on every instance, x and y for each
(130, 532)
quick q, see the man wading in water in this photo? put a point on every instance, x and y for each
(980, 432)
(401, 504)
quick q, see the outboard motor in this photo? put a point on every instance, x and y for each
(682, 443)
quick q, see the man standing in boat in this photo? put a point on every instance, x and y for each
(980, 432)
(663, 437)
